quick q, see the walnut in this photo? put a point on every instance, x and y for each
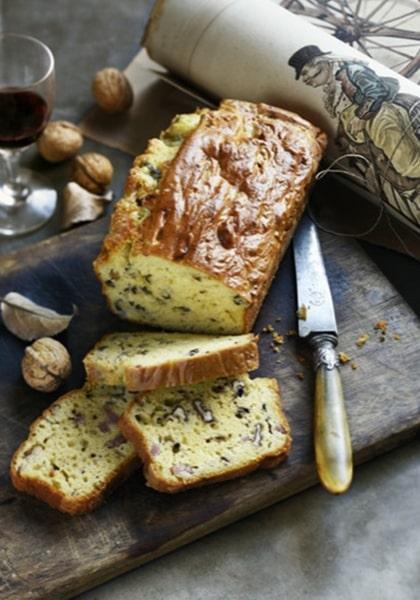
(92, 171)
(205, 414)
(60, 140)
(257, 437)
(179, 412)
(46, 363)
(112, 90)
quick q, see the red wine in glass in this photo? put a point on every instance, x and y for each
(23, 116)
(27, 87)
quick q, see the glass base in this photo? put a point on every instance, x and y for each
(17, 218)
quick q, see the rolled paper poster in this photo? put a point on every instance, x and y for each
(255, 50)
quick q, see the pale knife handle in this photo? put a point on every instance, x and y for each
(333, 452)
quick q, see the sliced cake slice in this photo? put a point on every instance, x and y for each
(75, 452)
(148, 360)
(193, 435)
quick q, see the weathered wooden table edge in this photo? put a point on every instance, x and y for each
(66, 586)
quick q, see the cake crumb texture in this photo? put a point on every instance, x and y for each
(206, 217)
(149, 360)
(194, 435)
(75, 452)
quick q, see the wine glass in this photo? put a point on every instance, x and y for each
(27, 88)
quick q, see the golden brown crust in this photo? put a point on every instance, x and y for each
(255, 189)
(131, 432)
(48, 493)
(195, 369)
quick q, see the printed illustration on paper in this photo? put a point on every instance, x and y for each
(374, 120)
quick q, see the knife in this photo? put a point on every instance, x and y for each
(317, 324)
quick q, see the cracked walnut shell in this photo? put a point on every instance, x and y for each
(60, 140)
(45, 364)
(92, 171)
(112, 90)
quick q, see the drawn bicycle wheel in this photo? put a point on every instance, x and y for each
(386, 30)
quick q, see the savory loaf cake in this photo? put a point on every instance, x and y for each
(193, 435)
(148, 360)
(75, 452)
(208, 212)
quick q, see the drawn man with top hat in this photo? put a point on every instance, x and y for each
(374, 120)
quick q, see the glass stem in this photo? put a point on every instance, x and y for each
(13, 191)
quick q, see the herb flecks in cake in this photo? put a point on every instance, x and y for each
(208, 211)
(148, 360)
(75, 450)
(192, 435)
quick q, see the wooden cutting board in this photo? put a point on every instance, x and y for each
(45, 554)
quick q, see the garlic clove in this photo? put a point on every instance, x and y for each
(81, 206)
(28, 320)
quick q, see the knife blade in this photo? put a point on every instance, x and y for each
(313, 290)
(317, 324)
